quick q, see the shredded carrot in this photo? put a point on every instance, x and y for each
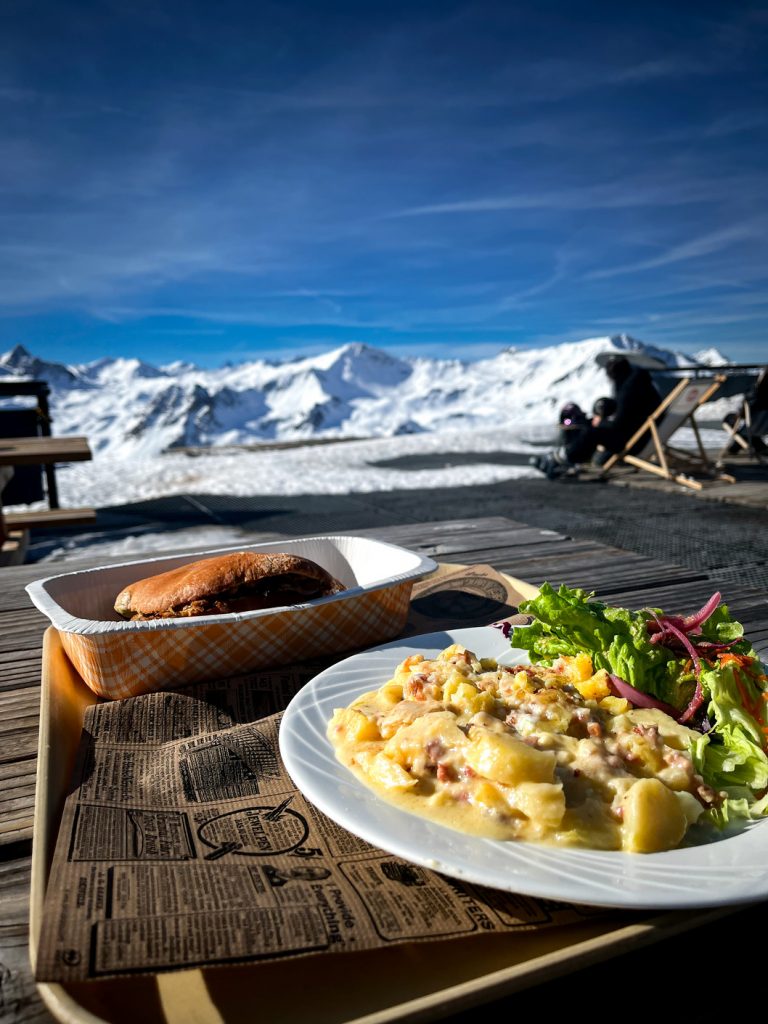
(749, 704)
(752, 705)
(743, 660)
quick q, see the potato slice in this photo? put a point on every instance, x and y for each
(653, 818)
(503, 758)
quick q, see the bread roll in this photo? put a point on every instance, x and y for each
(236, 582)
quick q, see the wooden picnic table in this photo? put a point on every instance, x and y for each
(525, 552)
(35, 451)
(43, 451)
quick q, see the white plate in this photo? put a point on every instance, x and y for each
(733, 869)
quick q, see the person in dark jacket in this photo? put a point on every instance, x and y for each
(751, 432)
(634, 399)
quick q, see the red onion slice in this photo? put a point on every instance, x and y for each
(685, 625)
(620, 688)
(696, 701)
(656, 625)
(687, 645)
(692, 621)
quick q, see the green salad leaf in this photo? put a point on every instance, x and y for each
(730, 754)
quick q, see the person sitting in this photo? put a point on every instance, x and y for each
(602, 410)
(755, 423)
(614, 420)
(574, 423)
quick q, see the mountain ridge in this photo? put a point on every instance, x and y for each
(127, 407)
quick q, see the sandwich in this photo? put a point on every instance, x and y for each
(236, 582)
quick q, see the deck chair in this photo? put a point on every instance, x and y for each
(657, 455)
(746, 427)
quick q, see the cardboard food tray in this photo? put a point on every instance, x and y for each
(119, 658)
(419, 981)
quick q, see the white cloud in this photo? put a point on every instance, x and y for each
(694, 248)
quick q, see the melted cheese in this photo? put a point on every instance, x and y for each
(532, 752)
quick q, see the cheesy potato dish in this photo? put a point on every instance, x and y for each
(528, 752)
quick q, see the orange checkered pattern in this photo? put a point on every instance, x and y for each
(128, 662)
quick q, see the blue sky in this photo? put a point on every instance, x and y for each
(238, 180)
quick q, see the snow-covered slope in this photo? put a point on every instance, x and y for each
(128, 408)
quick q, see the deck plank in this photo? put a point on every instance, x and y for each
(520, 549)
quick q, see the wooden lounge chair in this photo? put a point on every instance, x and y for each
(746, 427)
(657, 455)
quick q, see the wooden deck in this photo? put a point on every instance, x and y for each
(525, 551)
(750, 488)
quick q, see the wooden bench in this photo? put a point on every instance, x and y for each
(45, 451)
(15, 527)
(13, 548)
(48, 518)
(26, 451)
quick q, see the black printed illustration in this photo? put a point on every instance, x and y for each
(278, 877)
(406, 874)
(226, 766)
(254, 831)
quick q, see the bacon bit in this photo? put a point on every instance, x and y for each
(434, 750)
(445, 773)
(420, 687)
(707, 795)
(461, 658)
(675, 759)
(413, 659)
(649, 732)
(414, 689)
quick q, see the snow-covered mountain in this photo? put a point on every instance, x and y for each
(128, 408)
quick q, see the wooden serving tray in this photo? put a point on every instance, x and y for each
(418, 981)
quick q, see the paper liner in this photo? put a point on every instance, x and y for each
(122, 659)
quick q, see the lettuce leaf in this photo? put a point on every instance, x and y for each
(567, 621)
(731, 757)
